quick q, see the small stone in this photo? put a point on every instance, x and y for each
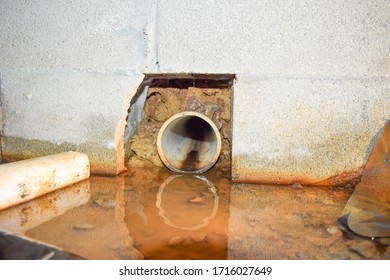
(198, 237)
(365, 248)
(296, 186)
(83, 227)
(334, 230)
(197, 199)
(175, 240)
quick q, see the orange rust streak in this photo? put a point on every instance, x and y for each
(255, 177)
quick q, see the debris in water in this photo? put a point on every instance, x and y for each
(105, 203)
(199, 199)
(83, 227)
(198, 237)
(333, 230)
(296, 186)
(175, 240)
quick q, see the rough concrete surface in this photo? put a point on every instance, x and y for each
(305, 130)
(68, 70)
(311, 92)
(312, 86)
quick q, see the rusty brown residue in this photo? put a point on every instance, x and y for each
(191, 161)
(102, 160)
(267, 177)
(141, 215)
(351, 176)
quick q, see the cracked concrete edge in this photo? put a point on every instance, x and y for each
(104, 161)
(121, 127)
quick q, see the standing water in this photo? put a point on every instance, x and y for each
(152, 213)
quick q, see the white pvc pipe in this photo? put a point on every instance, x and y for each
(31, 214)
(27, 179)
(189, 142)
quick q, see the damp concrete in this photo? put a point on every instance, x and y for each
(153, 213)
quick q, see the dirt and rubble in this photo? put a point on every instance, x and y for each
(162, 103)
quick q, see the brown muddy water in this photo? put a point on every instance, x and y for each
(152, 213)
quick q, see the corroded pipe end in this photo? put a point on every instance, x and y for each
(189, 142)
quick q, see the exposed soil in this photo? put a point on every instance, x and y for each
(162, 103)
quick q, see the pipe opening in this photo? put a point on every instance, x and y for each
(189, 142)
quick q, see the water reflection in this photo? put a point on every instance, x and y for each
(177, 216)
(31, 214)
(150, 213)
(95, 230)
(196, 201)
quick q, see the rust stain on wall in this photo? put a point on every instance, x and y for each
(103, 161)
(336, 160)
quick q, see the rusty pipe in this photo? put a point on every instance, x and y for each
(189, 142)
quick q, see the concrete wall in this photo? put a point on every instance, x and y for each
(312, 89)
(313, 79)
(68, 69)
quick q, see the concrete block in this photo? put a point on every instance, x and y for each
(25, 180)
(89, 116)
(310, 131)
(274, 37)
(312, 85)
(72, 65)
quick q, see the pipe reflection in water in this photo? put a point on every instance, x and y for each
(198, 197)
(95, 230)
(31, 214)
(177, 216)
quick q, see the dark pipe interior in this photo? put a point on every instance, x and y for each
(196, 129)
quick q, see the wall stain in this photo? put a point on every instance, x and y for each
(103, 161)
(337, 160)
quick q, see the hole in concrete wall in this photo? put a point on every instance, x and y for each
(162, 96)
(189, 142)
